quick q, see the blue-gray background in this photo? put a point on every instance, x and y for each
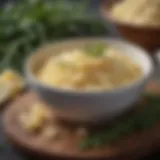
(6, 150)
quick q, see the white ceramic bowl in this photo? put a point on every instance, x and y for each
(89, 106)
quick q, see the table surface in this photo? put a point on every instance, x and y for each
(8, 152)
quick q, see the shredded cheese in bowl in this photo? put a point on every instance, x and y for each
(104, 68)
(141, 12)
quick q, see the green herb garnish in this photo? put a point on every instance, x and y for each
(65, 65)
(96, 49)
(142, 120)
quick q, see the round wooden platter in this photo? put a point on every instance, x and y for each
(136, 146)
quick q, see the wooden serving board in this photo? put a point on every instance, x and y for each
(134, 147)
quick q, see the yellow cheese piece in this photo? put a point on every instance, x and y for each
(33, 120)
(11, 83)
(5, 92)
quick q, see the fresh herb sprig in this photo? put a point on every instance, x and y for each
(142, 120)
(96, 50)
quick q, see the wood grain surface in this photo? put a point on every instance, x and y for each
(135, 147)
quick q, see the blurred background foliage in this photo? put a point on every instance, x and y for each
(27, 24)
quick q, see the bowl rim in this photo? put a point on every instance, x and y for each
(107, 15)
(34, 80)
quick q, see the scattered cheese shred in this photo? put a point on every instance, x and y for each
(51, 133)
(34, 119)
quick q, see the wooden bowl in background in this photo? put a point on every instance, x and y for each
(146, 36)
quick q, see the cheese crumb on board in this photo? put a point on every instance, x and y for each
(34, 119)
(51, 133)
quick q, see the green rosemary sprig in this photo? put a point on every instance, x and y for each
(96, 49)
(142, 120)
